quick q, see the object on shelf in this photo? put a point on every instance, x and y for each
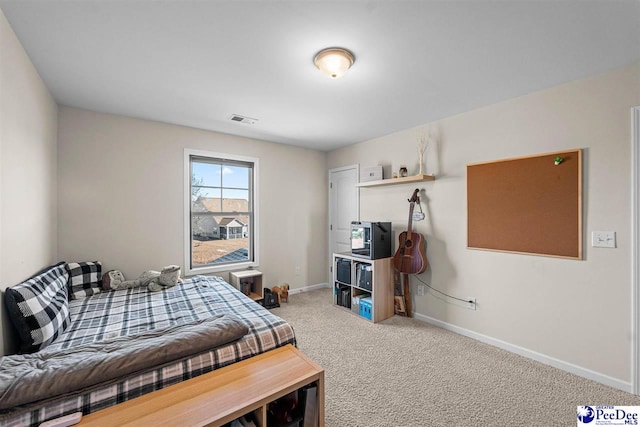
(424, 143)
(373, 173)
(371, 239)
(398, 303)
(284, 411)
(343, 269)
(363, 276)
(355, 301)
(343, 295)
(247, 421)
(310, 401)
(403, 171)
(365, 307)
(244, 421)
(245, 287)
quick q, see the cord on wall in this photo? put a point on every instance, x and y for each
(470, 301)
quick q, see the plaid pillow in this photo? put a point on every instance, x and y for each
(85, 279)
(39, 308)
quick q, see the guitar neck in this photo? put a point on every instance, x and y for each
(412, 201)
(410, 224)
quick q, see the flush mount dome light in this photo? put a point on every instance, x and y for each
(334, 61)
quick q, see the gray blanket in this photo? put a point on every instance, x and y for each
(32, 377)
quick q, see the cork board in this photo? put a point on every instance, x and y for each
(527, 205)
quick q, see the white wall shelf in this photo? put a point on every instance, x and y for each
(394, 181)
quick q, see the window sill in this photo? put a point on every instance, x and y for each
(217, 269)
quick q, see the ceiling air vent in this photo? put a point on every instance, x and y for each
(242, 119)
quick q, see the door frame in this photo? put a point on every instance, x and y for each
(331, 171)
(635, 250)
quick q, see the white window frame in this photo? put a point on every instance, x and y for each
(190, 271)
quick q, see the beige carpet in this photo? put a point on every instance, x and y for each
(403, 372)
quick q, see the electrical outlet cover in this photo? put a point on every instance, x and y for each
(603, 239)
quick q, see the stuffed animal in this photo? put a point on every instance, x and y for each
(169, 276)
(276, 290)
(284, 292)
(111, 279)
(154, 280)
(143, 280)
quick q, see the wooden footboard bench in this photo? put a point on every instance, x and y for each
(223, 395)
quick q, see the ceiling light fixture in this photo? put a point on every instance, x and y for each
(334, 61)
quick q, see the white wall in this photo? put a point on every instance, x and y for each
(120, 192)
(28, 132)
(578, 312)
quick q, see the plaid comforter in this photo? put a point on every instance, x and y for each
(108, 315)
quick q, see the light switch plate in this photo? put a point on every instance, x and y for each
(603, 239)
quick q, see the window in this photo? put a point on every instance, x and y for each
(221, 218)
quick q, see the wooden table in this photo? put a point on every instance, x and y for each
(220, 396)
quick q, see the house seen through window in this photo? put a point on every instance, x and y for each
(222, 213)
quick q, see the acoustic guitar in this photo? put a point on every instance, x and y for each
(410, 257)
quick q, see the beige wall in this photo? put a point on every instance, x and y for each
(578, 312)
(121, 186)
(28, 131)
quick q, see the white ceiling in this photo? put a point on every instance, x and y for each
(196, 63)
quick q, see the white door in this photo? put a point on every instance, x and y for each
(344, 206)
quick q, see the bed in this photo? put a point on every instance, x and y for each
(100, 322)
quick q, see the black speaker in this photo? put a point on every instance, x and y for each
(270, 299)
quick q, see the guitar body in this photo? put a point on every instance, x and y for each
(410, 257)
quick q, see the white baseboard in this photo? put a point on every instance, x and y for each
(538, 357)
(308, 288)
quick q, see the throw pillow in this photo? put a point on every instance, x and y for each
(39, 308)
(85, 279)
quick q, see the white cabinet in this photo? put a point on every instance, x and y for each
(249, 282)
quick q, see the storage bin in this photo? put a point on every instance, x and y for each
(365, 307)
(343, 267)
(373, 173)
(364, 274)
(355, 301)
